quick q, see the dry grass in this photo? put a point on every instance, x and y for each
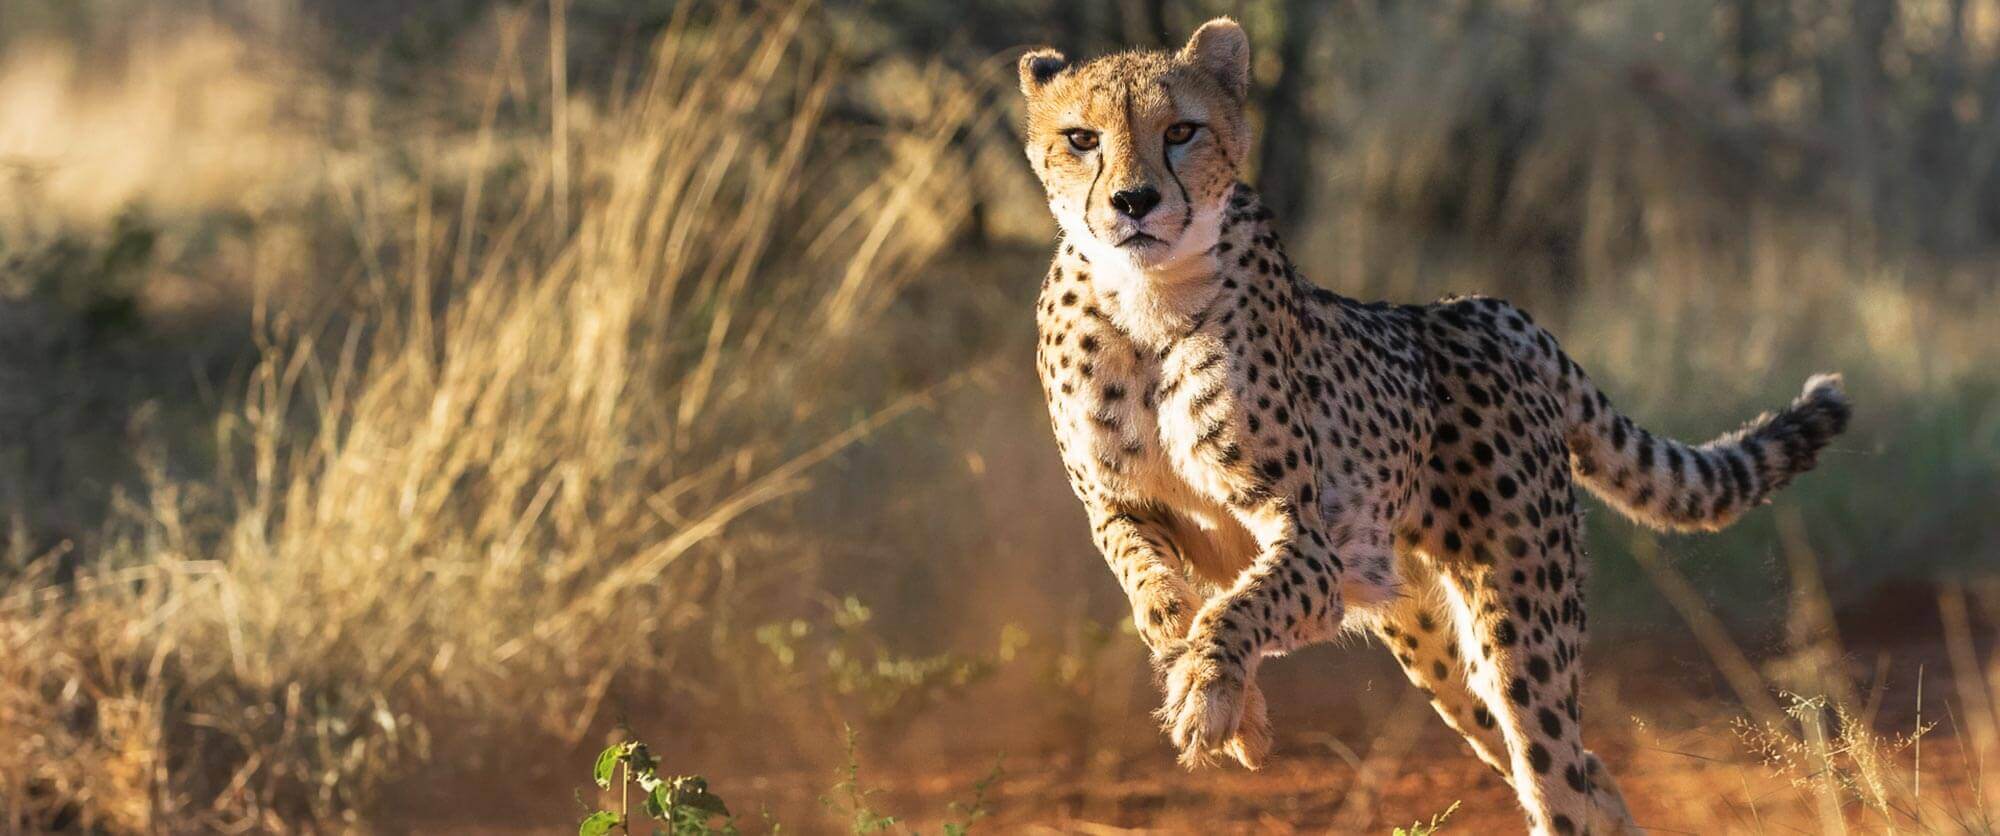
(1838, 741)
(495, 490)
(562, 406)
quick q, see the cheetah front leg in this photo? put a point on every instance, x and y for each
(1289, 597)
(1140, 552)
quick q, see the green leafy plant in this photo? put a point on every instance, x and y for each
(848, 657)
(849, 801)
(964, 814)
(1435, 825)
(682, 804)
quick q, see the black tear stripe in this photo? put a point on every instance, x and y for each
(1167, 157)
(1091, 193)
(1187, 206)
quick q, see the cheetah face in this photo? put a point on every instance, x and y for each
(1138, 151)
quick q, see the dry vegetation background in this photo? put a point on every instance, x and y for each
(397, 404)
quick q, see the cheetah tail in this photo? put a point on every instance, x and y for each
(1674, 486)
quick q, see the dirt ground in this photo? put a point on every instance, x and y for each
(1358, 752)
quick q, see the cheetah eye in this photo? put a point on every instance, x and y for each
(1180, 132)
(1080, 139)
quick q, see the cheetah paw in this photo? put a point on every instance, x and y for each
(1204, 711)
(1252, 743)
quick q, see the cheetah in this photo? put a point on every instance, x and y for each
(1320, 464)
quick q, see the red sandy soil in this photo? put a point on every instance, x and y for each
(1357, 752)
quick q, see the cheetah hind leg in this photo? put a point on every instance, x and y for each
(1608, 813)
(1419, 633)
(1561, 785)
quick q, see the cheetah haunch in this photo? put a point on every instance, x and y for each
(1324, 464)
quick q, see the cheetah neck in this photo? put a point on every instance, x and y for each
(1156, 305)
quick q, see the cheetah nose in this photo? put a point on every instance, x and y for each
(1135, 203)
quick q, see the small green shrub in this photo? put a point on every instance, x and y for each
(683, 804)
(848, 657)
(848, 802)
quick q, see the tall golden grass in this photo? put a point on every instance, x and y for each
(1814, 731)
(496, 489)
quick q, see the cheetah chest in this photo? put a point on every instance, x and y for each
(1139, 427)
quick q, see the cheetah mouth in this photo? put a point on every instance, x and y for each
(1139, 239)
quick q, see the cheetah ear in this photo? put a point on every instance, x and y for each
(1220, 48)
(1038, 66)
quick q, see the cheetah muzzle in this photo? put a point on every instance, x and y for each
(1315, 464)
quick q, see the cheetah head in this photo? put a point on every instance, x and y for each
(1138, 151)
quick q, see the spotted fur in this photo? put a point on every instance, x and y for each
(1318, 464)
